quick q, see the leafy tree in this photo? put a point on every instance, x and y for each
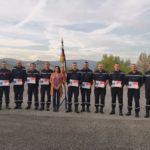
(110, 60)
(144, 60)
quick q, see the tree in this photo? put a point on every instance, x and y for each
(144, 60)
(110, 60)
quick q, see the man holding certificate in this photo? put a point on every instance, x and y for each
(19, 77)
(147, 91)
(116, 82)
(134, 81)
(86, 85)
(5, 80)
(100, 77)
(73, 79)
(33, 76)
(45, 86)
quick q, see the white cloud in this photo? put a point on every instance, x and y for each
(17, 42)
(122, 25)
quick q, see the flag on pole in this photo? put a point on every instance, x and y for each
(63, 62)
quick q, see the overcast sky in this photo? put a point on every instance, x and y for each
(32, 29)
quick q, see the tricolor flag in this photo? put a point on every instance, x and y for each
(63, 62)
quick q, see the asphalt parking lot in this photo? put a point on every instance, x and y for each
(36, 130)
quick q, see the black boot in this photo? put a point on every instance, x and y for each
(54, 109)
(48, 107)
(96, 109)
(20, 106)
(136, 114)
(42, 107)
(28, 107)
(112, 111)
(69, 109)
(57, 108)
(0, 106)
(101, 110)
(36, 108)
(129, 112)
(16, 107)
(88, 108)
(76, 109)
(120, 111)
(7, 106)
(83, 108)
(147, 113)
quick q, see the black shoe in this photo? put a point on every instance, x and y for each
(83, 109)
(112, 112)
(69, 110)
(0, 107)
(57, 108)
(36, 108)
(47, 109)
(146, 116)
(120, 113)
(101, 110)
(54, 110)
(147, 113)
(16, 107)
(76, 109)
(88, 110)
(41, 109)
(96, 110)
(28, 107)
(7, 107)
(128, 113)
(137, 115)
(20, 107)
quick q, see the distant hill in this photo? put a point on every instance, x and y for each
(11, 62)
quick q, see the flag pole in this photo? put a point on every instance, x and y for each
(64, 71)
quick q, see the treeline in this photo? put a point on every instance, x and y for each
(107, 60)
(110, 60)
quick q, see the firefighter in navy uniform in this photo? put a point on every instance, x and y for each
(86, 85)
(147, 91)
(116, 82)
(33, 76)
(134, 81)
(19, 78)
(5, 80)
(45, 86)
(73, 79)
(100, 77)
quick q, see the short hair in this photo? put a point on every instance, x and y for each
(4, 62)
(74, 63)
(46, 62)
(32, 64)
(133, 64)
(86, 62)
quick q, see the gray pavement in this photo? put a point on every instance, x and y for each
(35, 130)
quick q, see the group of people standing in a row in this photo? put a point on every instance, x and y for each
(51, 85)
